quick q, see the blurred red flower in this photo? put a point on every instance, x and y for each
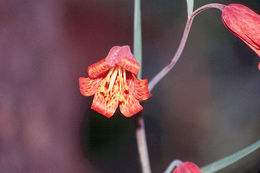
(187, 167)
(244, 23)
(113, 81)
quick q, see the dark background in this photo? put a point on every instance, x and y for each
(206, 108)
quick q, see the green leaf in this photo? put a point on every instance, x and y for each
(190, 4)
(226, 161)
(138, 35)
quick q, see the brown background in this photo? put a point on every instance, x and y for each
(203, 110)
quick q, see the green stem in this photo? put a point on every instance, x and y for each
(173, 165)
(140, 128)
(138, 35)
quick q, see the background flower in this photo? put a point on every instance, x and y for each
(244, 23)
(187, 167)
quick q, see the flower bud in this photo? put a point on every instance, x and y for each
(187, 167)
(244, 23)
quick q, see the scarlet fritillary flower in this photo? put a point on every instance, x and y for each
(244, 23)
(187, 167)
(113, 81)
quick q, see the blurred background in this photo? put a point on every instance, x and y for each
(206, 108)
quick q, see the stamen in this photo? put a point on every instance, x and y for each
(113, 78)
(109, 73)
(119, 77)
(119, 72)
(124, 74)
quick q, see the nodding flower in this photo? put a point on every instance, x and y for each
(187, 167)
(113, 82)
(244, 23)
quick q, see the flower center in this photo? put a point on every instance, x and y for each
(114, 87)
(117, 77)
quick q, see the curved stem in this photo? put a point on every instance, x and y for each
(172, 165)
(178, 53)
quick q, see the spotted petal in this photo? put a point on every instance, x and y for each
(130, 105)
(130, 65)
(140, 89)
(105, 101)
(103, 107)
(88, 86)
(98, 68)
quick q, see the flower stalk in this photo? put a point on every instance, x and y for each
(142, 144)
(140, 128)
(179, 51)
(172, 165)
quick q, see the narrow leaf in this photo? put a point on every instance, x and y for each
(190, 4)
(226, 161)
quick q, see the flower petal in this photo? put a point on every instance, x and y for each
(187, 167)
(130, 105)
(98, 68)
(125, 51)
(104, 107)
(116, 53)
(112, 57)
(88, 86)
(255, 47)
(105, 101)
(130, 65)
(139, 88)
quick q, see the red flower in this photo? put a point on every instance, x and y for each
(244, 23)
(113, 81)
(187, 167)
